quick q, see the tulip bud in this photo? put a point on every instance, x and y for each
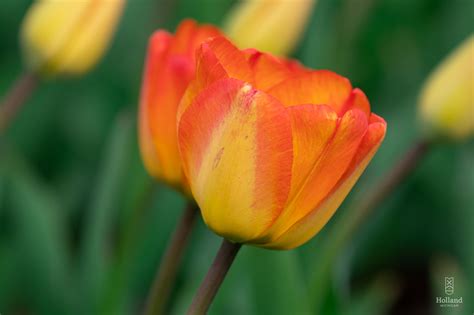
(273, 26)
(447, 98)
(68, 37)
(169, 68)
(271, 149)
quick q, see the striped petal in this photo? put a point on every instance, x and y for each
(190, 35)
(315, 87)
(170, 66)
(269, 70)
(216, 59)
(358, 100)
(165, 80)
(229, 57)
(159, 45)
(319, 163)
(308, 226)
(236, 148)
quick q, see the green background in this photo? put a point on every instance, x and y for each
(80, 232)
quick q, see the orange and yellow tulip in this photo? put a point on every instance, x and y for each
(169, 68)
(270, 148)
(68, 37)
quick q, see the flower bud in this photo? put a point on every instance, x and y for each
(169, 67)
(273, 26)
(447, 98)
(68, 37)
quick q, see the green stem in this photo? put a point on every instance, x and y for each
(16, 97)
(216, 274)
(348, 224)
(389, 183)
(166, 273)
(135, 220)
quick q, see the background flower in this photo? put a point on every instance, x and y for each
(272, 26)
(68, 37)
(168, 70)
(447, 97)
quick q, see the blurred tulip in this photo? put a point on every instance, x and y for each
(168, 70)
(447, 98)
(68, 37)
(273, 26)
(271, 149)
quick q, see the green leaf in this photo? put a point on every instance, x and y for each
(38, 239)
(104, 207)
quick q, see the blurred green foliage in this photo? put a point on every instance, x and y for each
(80, 234)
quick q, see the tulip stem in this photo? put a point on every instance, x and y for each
(16, 97)
(350, 221)
(216, 274)
(166, 273)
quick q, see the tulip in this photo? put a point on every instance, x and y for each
(270, 148)
(447, 98)
(272, 26)
(68, 37)
(169, 68)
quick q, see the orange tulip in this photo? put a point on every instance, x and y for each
(270, 148)
(169, 68)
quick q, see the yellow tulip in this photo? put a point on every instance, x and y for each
(273, 26)
(68, 37)
(447, 98)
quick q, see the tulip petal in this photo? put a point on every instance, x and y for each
(189, 36)
(358, 100)
(165, 80)
(269, 70)
(236, 148)
(307, 227)
(314, 87)
(216, 59)
(169, 68)
(320, 163)
(230, 58)
(183, 35)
